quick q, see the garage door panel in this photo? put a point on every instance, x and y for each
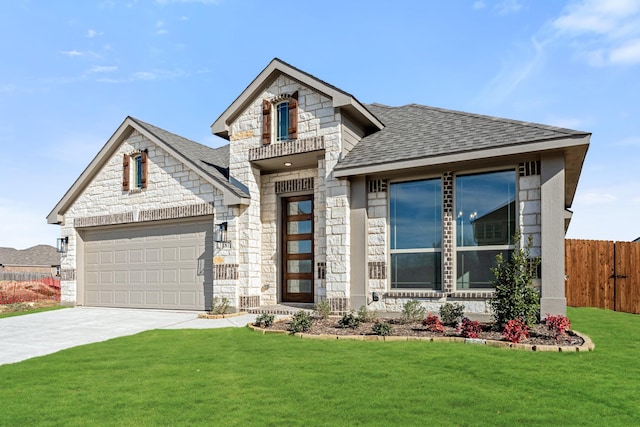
(153, 266)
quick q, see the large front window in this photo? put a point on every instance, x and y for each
(485, 207)
(416, 234)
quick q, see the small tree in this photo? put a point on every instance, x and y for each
(515, 297)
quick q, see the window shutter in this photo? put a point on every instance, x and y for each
(125, 172)
(293, 116)
(144, 157)
(266, 122)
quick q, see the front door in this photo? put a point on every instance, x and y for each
(297, 249)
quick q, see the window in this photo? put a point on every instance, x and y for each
(285, 127)
(416, 234)
(485, 224)
(134, 176)
(282, 123)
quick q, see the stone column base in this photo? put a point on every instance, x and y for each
(552, 306)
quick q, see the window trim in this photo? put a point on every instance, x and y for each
(135, 169)
(270, 122)
(456, 248)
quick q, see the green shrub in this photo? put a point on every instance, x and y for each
(514, 296)
(365, 315)
(349, 320)
(265, 320)
(219, 306)
(451, 313)
(412, 311)
(300, 322)
(322, 309)
(381, 328)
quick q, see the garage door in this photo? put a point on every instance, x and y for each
(155, 266)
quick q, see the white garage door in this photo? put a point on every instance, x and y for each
(154, 266)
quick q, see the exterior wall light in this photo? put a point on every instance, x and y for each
(220, 233)
(62, 244)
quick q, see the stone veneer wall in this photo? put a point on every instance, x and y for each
(170, 185)
(316, 118)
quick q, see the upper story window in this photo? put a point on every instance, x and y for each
(134, 171)
(284, 127)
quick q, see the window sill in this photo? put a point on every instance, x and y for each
(415, 294)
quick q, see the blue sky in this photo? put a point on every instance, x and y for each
(72, 71)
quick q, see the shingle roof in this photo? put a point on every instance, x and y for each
(213, 161)
(417, 131)
(40, 255)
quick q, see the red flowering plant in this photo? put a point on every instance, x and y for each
(433, 323)
(515, 330)
(469, 328)
(558, 325)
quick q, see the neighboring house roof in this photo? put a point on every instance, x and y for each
(40, 255)
(210, 163)
(637, 240)
(417, 135)
(340, 99)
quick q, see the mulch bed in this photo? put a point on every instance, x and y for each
(539, 334)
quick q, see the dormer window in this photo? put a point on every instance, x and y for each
(285, 127)
(134, 171)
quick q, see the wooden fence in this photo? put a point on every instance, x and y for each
(603, 274)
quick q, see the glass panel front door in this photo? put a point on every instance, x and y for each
(297, 249)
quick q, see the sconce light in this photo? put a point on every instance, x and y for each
(62, 244)
(220, 233)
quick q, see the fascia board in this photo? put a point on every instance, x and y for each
(555, 144)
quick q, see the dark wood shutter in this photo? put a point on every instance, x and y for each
(144, 156)
(293, 116)
(266, 122)
(125, 172)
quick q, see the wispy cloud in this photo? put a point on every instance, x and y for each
(72, 53)
(160, 28)
(506, 7)
(568, 122)
(479, 4)
(93, 33)
(7, 88)
(629, 141)
(103, 69)
(188, 1)
(604, 32)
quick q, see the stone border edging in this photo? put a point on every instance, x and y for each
(220, 316)
(588, 345)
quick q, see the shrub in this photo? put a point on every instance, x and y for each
(515, 330)
(300, 322)
(558, 325)
(265, 320)
(469, 328)
(451, 313)
(322, 309)
(219, 306)
(433, 323)
(349, 320)
(381, 328)
(365, 315)
(412, 311)
(514, 296)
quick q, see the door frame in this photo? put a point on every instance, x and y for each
(286, 296)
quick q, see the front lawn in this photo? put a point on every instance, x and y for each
(239, 377)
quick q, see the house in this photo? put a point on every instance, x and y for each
(317, 196)
(41, 259)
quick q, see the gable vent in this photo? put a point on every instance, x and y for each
(529, 168)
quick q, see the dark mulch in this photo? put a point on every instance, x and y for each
(539, 335)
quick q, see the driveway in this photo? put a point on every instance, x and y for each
(38, 334)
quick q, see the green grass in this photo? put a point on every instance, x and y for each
(239, 377)
(31, 311)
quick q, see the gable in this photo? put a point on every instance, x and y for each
(172, 159)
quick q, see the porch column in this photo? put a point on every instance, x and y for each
(552, 188)
(359, 242)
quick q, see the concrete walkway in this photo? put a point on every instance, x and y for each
(38, 334)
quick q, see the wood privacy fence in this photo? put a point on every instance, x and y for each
(603, 274)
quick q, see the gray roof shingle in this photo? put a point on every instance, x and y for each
(212, 161)
(40, 255)
(416, 131)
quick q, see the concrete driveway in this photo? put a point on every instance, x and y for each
(38, 334)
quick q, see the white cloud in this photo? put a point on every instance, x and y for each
(144, 75)
(479, 4)
(103, 69)
(506, 7)
(93, 33)
(71, 53)
(627, 54)
(7, 88)
(160, 28)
